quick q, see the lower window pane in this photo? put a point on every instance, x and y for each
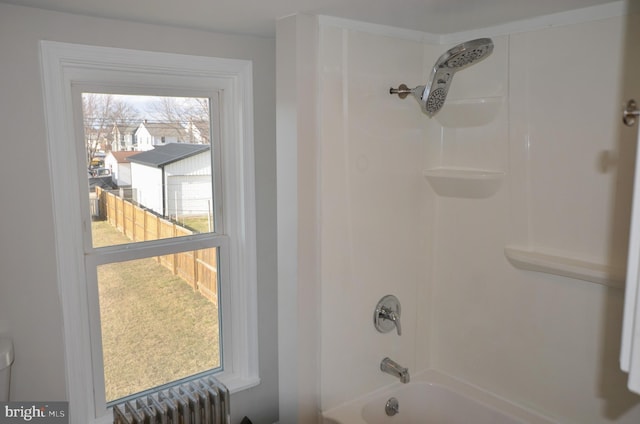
(160, 320)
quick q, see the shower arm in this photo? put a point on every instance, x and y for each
(402, 91)
(630, 114)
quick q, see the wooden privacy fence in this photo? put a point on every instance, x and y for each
(198, 267)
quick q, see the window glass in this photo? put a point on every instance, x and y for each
(159, 320)
(149, 172)
(149, 165)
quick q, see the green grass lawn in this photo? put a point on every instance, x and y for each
(198, 224)
(155, 328)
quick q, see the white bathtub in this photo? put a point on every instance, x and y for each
(433, 398)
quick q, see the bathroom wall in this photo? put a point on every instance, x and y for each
(375, 209)
(543, 340)
(529, 153)
(30, 311)
(298, 251)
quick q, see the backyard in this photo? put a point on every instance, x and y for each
(155, 328)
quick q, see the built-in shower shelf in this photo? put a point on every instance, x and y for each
(566, 266)
(469, 112)
(464, 182)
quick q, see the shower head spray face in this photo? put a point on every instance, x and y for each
(459, 57)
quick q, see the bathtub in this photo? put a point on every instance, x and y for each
(433, 398)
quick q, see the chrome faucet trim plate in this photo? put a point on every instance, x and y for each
(386, 316)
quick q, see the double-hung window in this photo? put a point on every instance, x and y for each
(155, 237)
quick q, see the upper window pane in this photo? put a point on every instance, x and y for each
(149, 165)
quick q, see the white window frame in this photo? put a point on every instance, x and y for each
(65, 67)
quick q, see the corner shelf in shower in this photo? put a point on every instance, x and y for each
(464, 113)
(464, 182)
(555, 264)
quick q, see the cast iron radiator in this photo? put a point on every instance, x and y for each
(204, 401)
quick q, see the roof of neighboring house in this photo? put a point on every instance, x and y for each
(126, 129)
(164, 129)
(202, 126)
(160, 156)
(123, 156)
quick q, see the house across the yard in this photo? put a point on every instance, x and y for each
(124, 137)
(174, 180)
(198, 132)
(151, 134)
(120, 167)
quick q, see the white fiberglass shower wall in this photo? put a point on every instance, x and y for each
(375, 206)
(501, 224)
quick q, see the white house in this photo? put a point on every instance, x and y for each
(150, 134)
(124, 137)
(198, 132)
(120, 167)
(174, 179)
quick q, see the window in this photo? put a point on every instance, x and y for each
(221, 240)
(159, 315)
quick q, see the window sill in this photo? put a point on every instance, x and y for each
(238, 384)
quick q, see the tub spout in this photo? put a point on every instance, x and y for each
(391, 367)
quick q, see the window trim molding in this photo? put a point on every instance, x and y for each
(62, 66)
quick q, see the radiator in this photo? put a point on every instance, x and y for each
(204, 401)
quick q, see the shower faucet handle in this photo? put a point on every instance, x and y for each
(386, 313)
(386, 316)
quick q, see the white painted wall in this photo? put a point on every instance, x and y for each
(29, 305)
(144, 139)
(147, 183)
(544, 112)
(199, 164)
(123, 174)
(299, 320)
(189, 196)
(189, 186)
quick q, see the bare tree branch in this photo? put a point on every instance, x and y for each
(184, 114)
(100, 113)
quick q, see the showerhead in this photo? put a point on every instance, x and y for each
(432, 96)
(465, 54)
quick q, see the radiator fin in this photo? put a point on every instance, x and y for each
(204, 401)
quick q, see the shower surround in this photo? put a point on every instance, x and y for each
(526, 160)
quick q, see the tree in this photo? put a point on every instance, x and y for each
(100, 113)
(184, 114)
